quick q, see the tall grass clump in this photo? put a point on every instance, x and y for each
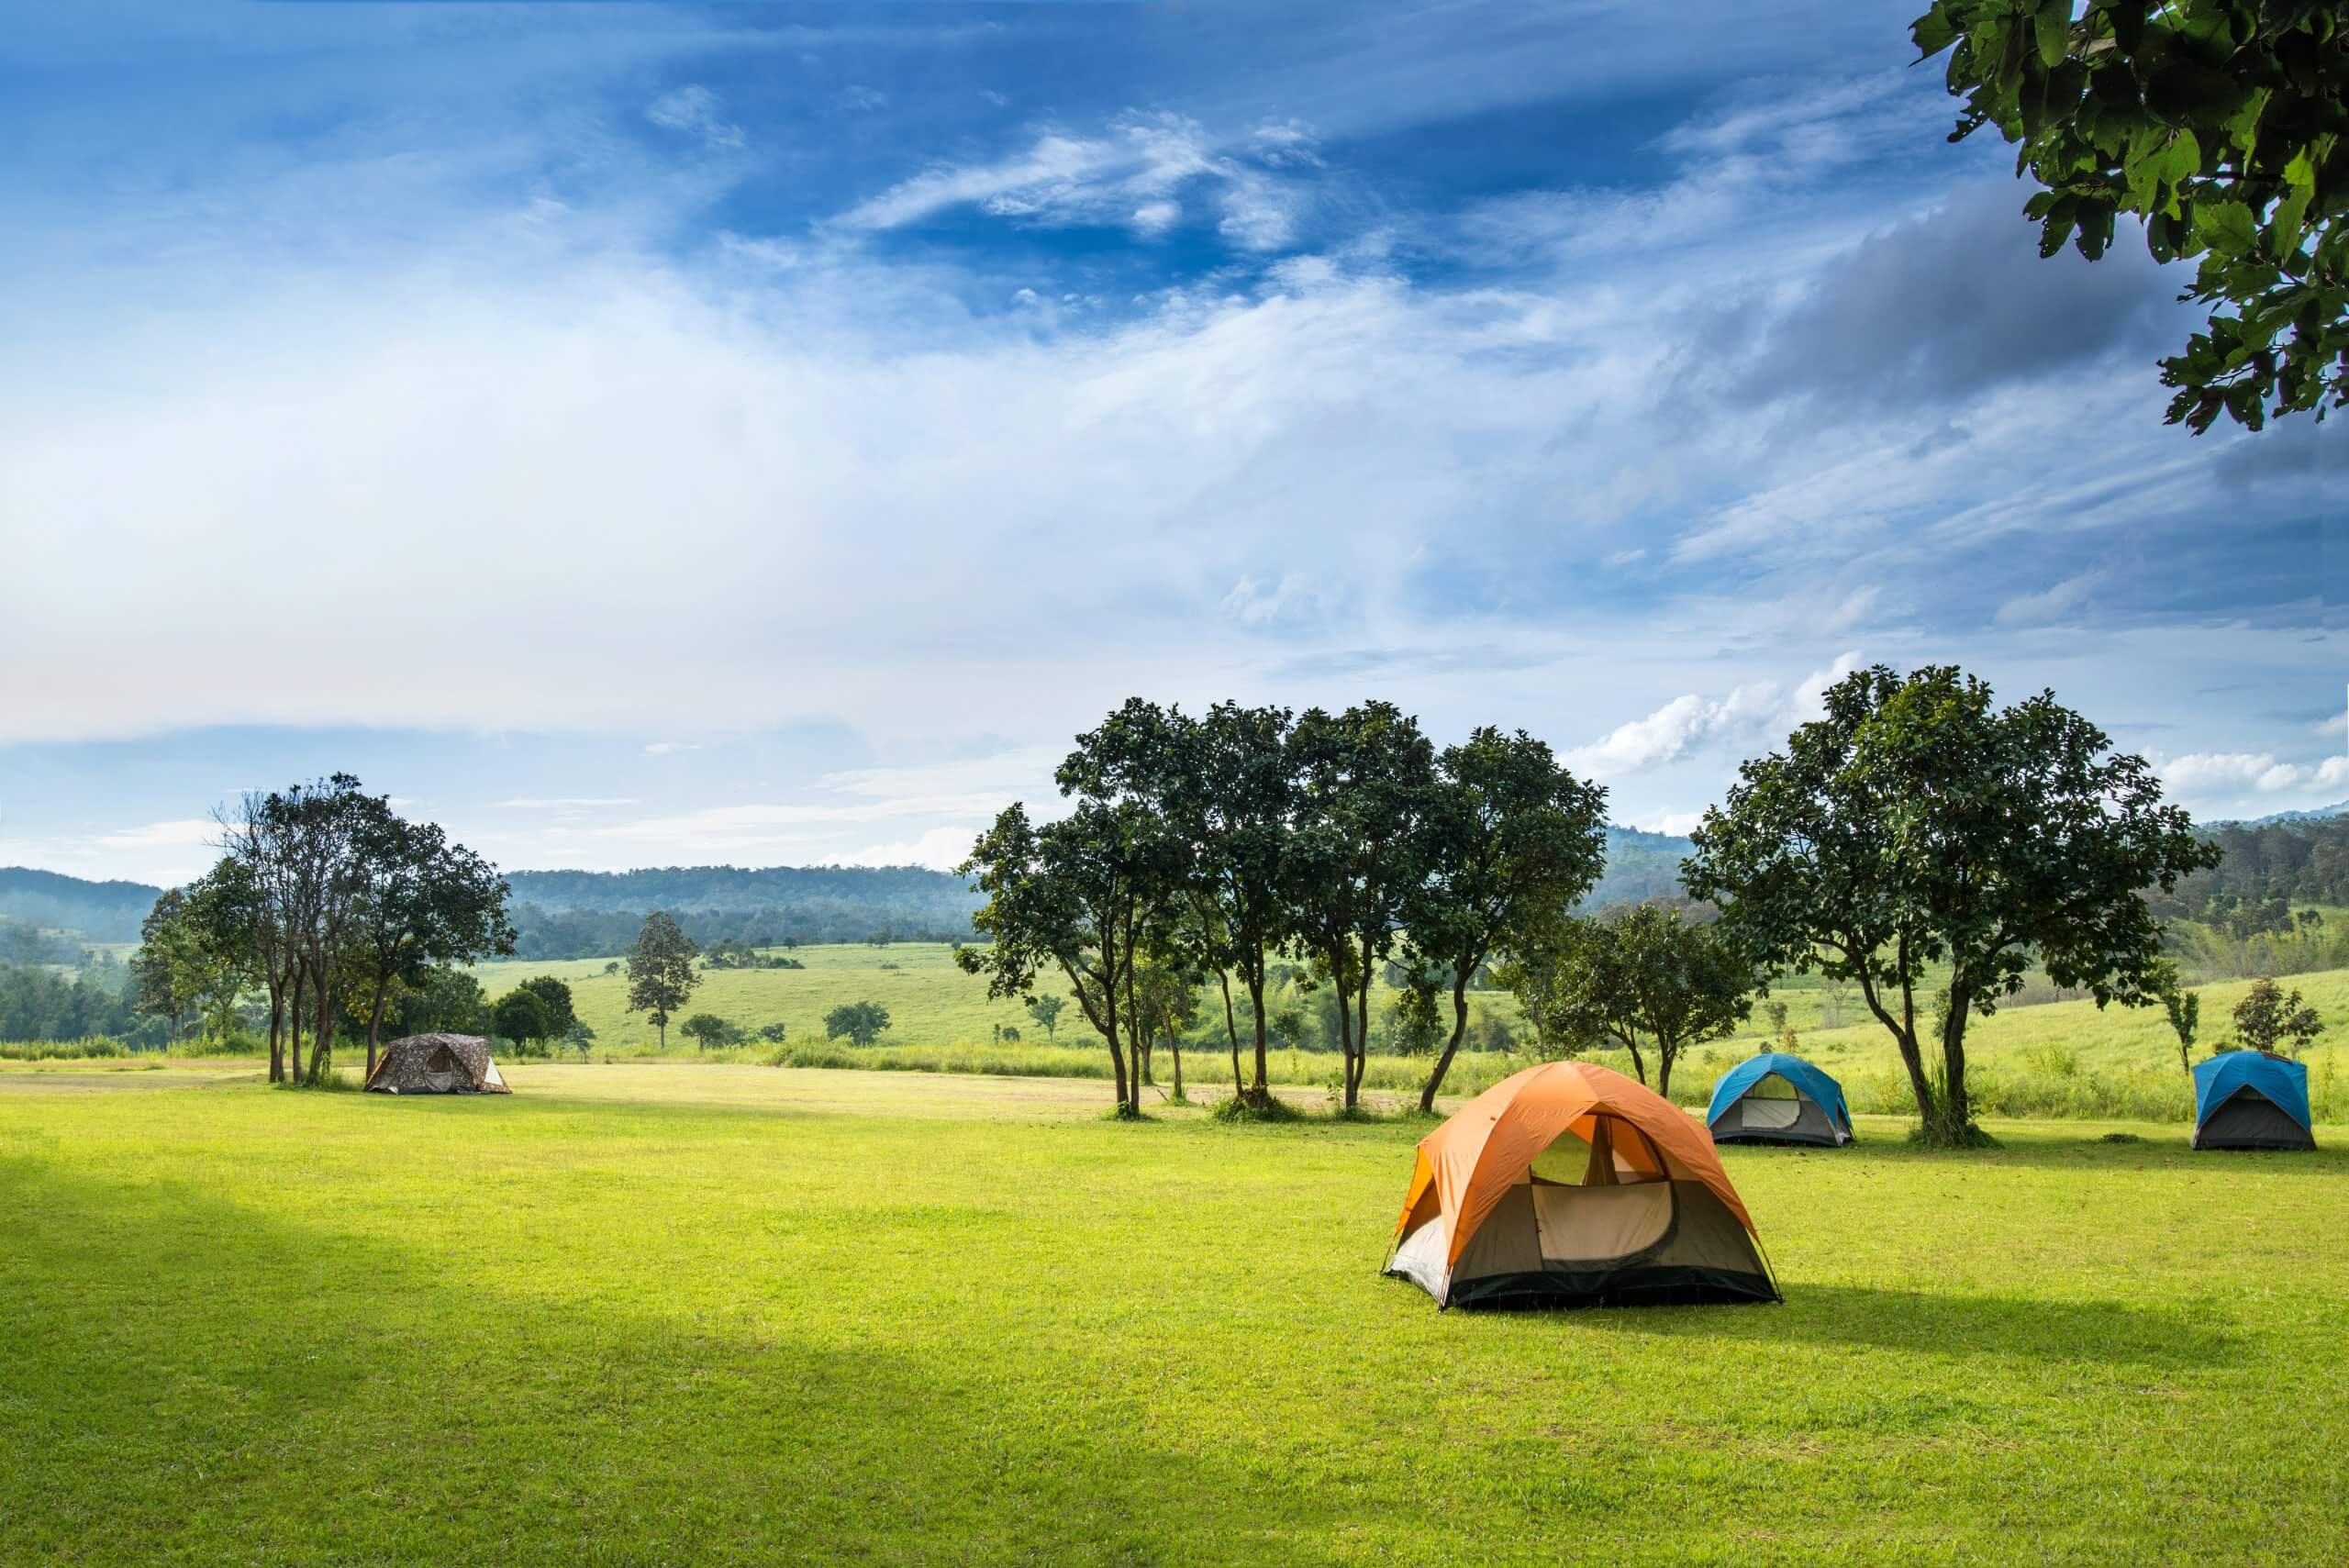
(92, 1048)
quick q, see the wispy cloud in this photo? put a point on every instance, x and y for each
(694, 111)
(1137, 174)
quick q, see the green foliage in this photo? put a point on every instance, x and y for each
(2183, 1008)
(1504, 843)
(660, 973)
(773, 1034)
(1046, 1011)
(1647, 980)
(1918, 824)
(440, 1001)
(2220, 124)
(2269, 1020)
(1413, 1027)
(86, 1049)
(521, 1016)
(858, 1023)
(556, 996)
(710, 1032)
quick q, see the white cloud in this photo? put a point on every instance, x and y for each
(2049, 604)
(2234, 776)
(1691, 723)
(670, 748)
(1625, 557)
(1678, 823)
(563, 803)
(182, 834)
(693, 110)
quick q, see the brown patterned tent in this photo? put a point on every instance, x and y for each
(438, 1065)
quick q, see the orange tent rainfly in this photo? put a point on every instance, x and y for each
(1568, 1184)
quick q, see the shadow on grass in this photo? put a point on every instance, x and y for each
(2082, 1147)
(1947, 1323)
(191, 1377)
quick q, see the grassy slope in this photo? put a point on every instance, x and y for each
(645, 1315)
(931, 1004)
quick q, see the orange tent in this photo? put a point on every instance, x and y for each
(1573, 1183)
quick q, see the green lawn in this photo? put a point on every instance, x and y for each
(667, 1314)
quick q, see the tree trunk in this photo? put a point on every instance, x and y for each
(294, 1028)
(1639, 1063)
(1174, 1043)
(1231, 1028)
(375, 1020)
(1459, 1032)
(1345, 1026)
(1956, 1127)
(1666, 1052)
(322, 1037)
(1911, 1056)
(1261, 1089)
(276, 1030)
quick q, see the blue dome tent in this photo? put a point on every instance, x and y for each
(2248, 1099)
(1777, 1098)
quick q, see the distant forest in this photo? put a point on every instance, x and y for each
(2271, 870)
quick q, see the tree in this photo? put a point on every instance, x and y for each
(579, 1037)
(2217, 122)
(1916, 823)
(424, 901)
(1071, 895)
(1350, 865)
(772, 1033)
(1046, 1011)
(1648, 980)
(1507, 841)
(163, 972)
(860, 1023)
(521, 1018)
(556, 995)
(709, 1031)
(1415, 1028)
(2269, 1020)
(2184, 1008)
(440, 1000)
(1166, 996)
(661, 974)
(1230, 792)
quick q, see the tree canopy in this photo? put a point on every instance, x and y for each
(2221, 124)
(660, 973)
(1916, 823)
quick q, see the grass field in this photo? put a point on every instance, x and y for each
(657, 1314)
(2056, 1058)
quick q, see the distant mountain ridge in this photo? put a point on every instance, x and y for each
(2313, 813)
(101, 911)
(809, 903)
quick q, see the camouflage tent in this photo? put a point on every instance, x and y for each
(438, 1065)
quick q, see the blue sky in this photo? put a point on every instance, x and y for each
(765, 433)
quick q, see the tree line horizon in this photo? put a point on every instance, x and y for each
(1914, 823)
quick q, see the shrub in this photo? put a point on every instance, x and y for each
(87, 1049)
(858, 1023)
